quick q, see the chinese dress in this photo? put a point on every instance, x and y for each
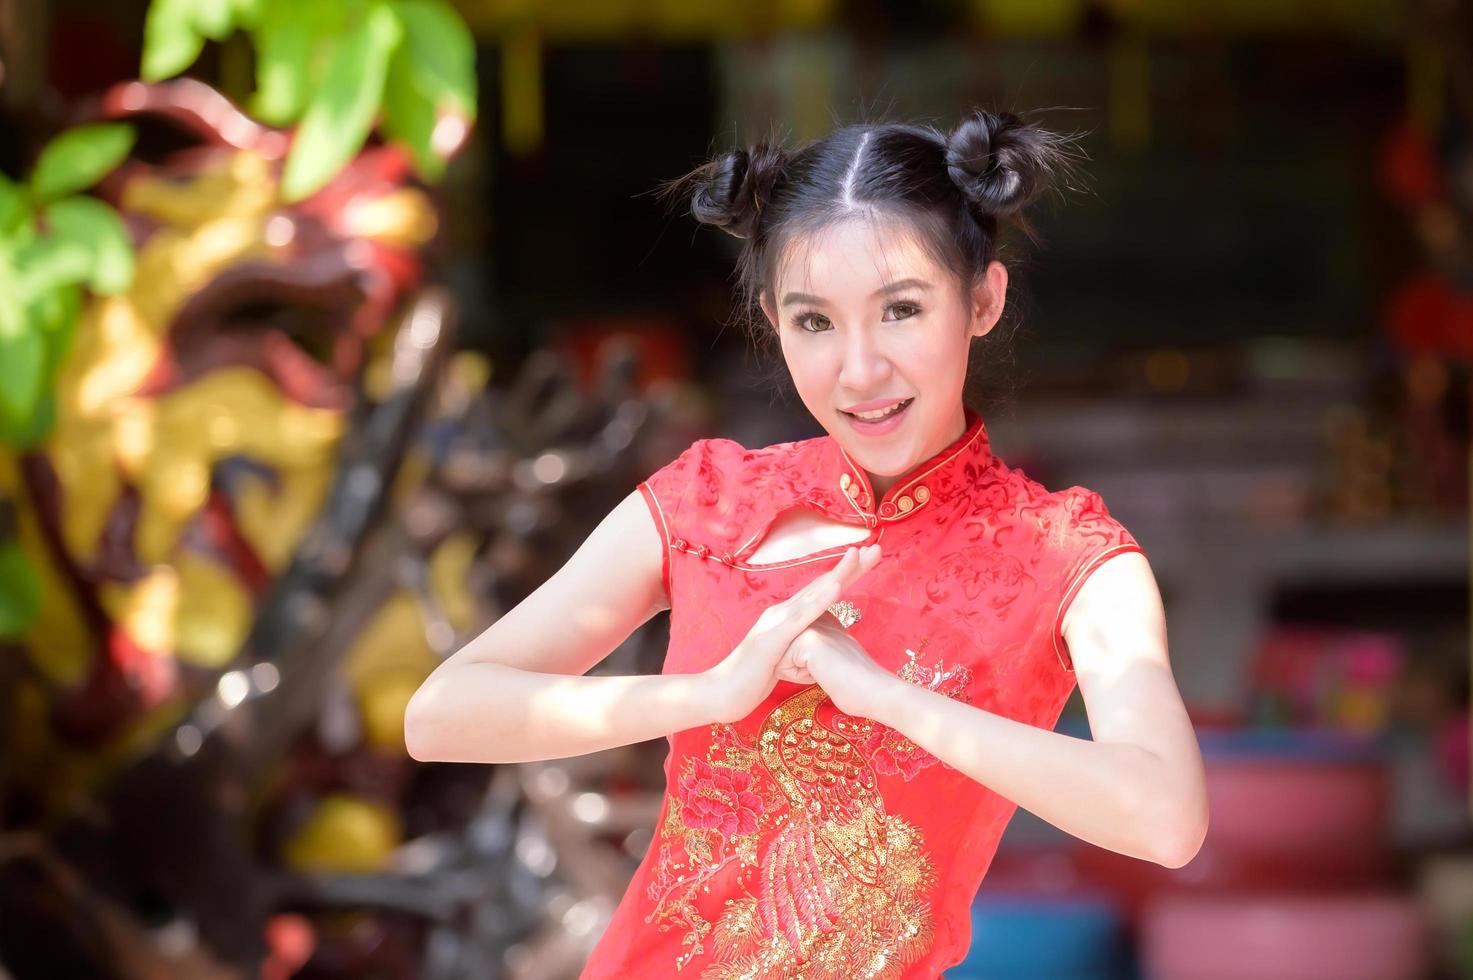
(804, 842)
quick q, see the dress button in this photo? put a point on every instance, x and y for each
(726, 557)
(702, 550)
(887, 509)
(679, 543)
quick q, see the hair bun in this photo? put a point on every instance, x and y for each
(734, 188)
(999, 161)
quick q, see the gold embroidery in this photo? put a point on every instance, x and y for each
(846, 612)
(841, 888)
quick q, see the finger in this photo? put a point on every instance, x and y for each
(813, 600)
(805, 605)
(798, 675)
(867, 556)
(851, 565)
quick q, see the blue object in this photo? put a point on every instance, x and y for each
(1029, 937)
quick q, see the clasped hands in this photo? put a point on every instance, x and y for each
(799, 640)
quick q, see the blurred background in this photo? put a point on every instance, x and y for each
(329, 328)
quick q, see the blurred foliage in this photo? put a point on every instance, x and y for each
(333, 67)
(52, 243)
(330, 67)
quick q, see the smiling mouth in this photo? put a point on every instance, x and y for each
(886, 413)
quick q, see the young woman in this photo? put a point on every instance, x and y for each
(872, 632)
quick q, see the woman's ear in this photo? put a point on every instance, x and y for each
(988, 298)
(767, 310)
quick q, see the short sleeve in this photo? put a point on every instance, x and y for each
(662, 491)
(1091, 537)
(688, 484)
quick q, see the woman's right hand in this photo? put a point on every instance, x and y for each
(749, 673)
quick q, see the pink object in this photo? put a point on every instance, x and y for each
(1325, 676)
(1452, 751)
(1372, 659)
(1292, 824)
(1373, 936)
(1306, 813)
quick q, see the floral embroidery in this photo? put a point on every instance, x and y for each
(890, 752)
(840, 889)
(717, 798)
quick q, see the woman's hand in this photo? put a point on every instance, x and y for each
(842, 667)
(749, 673)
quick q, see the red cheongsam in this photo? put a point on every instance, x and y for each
(804, 842)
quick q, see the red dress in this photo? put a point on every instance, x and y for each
(804, 842)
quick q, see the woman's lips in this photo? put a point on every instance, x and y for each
(878, 426)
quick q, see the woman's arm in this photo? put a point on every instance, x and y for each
(516, 692)
(1138, 788)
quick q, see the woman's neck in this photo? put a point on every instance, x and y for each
(881, 484)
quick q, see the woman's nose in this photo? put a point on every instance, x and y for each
(865, 367)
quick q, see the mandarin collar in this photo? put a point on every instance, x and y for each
(845, 490)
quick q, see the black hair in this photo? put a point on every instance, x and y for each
(953, 190)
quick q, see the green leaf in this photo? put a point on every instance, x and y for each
(213, 18)
(49, 263)
(409, 117)
(95, 225)
(248, 12)
(20, 590)
(171, 41)
(56, 313)
(284, 45)
(342, 109)
(31, 433)
(79, 158)
(14, 210)
(442, 52)
(22, 362)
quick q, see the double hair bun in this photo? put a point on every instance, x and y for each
(998, 161)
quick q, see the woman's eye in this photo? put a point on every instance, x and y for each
(910, 308)
(813, 322)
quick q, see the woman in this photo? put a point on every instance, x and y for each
(873, 632)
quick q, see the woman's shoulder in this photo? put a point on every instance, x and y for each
(711, 469)
(1081, 527)
(720, 457)
(1065, 519)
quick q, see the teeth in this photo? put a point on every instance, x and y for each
(880, 413)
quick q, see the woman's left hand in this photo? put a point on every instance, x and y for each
(828, 655)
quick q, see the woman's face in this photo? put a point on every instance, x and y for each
(868, 320)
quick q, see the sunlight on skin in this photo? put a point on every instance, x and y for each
(847, 339)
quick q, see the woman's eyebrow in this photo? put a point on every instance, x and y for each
(893, 287)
